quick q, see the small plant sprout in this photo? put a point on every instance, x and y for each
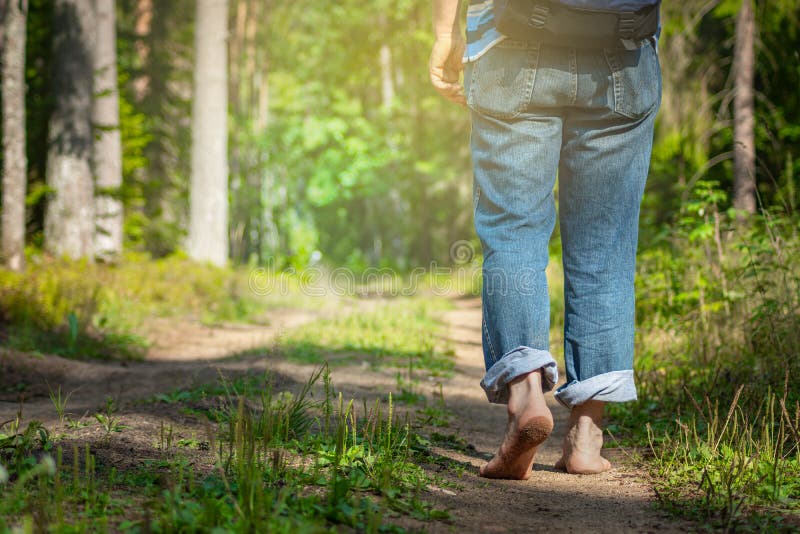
(166, 441)
(3, 475)
(108, 420)
(75, 424)
(60, 402)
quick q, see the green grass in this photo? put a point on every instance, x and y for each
(736, 469)
(400, 332)
(281, 462)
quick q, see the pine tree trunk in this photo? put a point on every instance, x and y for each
(208, 195)
(107, 144)
(744, 148)
(15, 163)
(69, 218)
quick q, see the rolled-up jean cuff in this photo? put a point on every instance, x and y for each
(518, 362)
(615, 386)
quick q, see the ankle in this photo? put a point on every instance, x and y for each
(528, 380)
(526, 398)
(584, 431)
(586, 425)
(523, 388)
(588, 413)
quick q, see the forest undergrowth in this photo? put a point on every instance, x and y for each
(271, 461)
(717, 368)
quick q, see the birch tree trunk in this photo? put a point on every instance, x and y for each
(744, 147)
(69, 217)
(208, 194)
(107, 142)
(15, 162)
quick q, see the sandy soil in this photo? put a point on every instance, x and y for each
(186, 355)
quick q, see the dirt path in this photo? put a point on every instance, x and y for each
(552, 501)
(187, 355)
(183, 354)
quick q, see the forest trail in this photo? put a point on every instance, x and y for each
(618, 501)
(551, 500)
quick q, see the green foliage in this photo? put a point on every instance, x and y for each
(719, 309)
(108, 418)
(78, 309)
(694, 131)
(60, 402)
(17, 445)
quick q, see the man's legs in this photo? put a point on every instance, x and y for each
(515, 167)
(604, 163)
(517, 96)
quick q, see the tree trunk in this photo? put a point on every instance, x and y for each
(4, 7)
(744, 148)
(208, 195)
(107, 143)
(387, 81)
(144, 19)
(15, 163)
(69, 218)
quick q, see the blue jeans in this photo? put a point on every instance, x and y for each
(586, 116)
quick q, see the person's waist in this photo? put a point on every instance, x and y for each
(556, 22)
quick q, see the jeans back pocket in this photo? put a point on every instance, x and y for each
(500, 83)
(636, 80)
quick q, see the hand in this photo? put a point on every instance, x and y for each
(445, 67)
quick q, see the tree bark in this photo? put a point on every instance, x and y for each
(4, 7)
(69, 218)
(744, 148)
(208, 195)
(107, 143)
(15, 162)
(144, 19)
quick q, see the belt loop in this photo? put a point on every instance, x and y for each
(627, 25)
(538, 16)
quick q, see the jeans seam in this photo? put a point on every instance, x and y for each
(616, 76)
(471, 92)
(573, 75)
(492, 353)
(533, 61)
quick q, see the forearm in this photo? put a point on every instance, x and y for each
(446, 24)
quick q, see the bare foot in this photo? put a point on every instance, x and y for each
(529, 424)
(584, 440)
